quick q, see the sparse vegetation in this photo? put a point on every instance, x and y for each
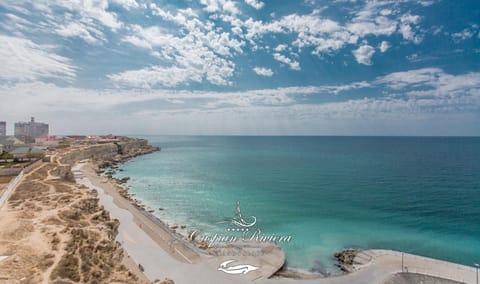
(5, 156)
(77, 234)
(34, 155)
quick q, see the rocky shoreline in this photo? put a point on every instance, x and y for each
(345, 259)
(109, 166)
(108, 169)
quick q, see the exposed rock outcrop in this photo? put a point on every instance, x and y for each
(110, 153)
(345, 259)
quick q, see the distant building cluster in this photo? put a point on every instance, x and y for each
(26, 130)
(25, 133)
(31, 140)
(30, 130)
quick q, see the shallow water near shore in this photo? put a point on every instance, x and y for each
(418, 195)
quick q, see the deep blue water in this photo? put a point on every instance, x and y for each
(419, 195)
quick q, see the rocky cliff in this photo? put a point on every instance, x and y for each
(112, 151)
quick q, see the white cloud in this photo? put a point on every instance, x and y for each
(280, 47)
(199, 55)
(380, 25)
(255, 4)
(127, 4)
(411, 78)
(377, 18)
(294, 65)
(213, 6)
(263, 71)
(432, 82)
(364, 54)
(182, 17)
(42, 97)
(463, 35)
(75, 29)
(279, 110)
(408, 21)
(15, 24)
(24, 60)
(311, 30)
(427, 3)
(153, 76)
(85, 17)
(384, 46)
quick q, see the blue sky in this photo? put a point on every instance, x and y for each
(340, 67)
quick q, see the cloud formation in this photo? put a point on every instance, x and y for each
(263, 71)
(364, 54)
(201, 44)
(255, 4)
(23, 60)
(342, 60)
(294, 65)
(446, 96)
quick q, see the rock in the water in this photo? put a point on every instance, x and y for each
(346, 256)
(123, 180)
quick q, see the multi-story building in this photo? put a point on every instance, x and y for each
(3, 128)
(30, 130)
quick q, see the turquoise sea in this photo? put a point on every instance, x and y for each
(414, 194)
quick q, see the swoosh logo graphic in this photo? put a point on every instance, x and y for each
(237, 269)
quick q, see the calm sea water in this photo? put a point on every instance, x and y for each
(419, 195)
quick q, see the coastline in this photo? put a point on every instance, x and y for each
(146, 248)
(54, 231)
(356, 267)
(172, 249)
